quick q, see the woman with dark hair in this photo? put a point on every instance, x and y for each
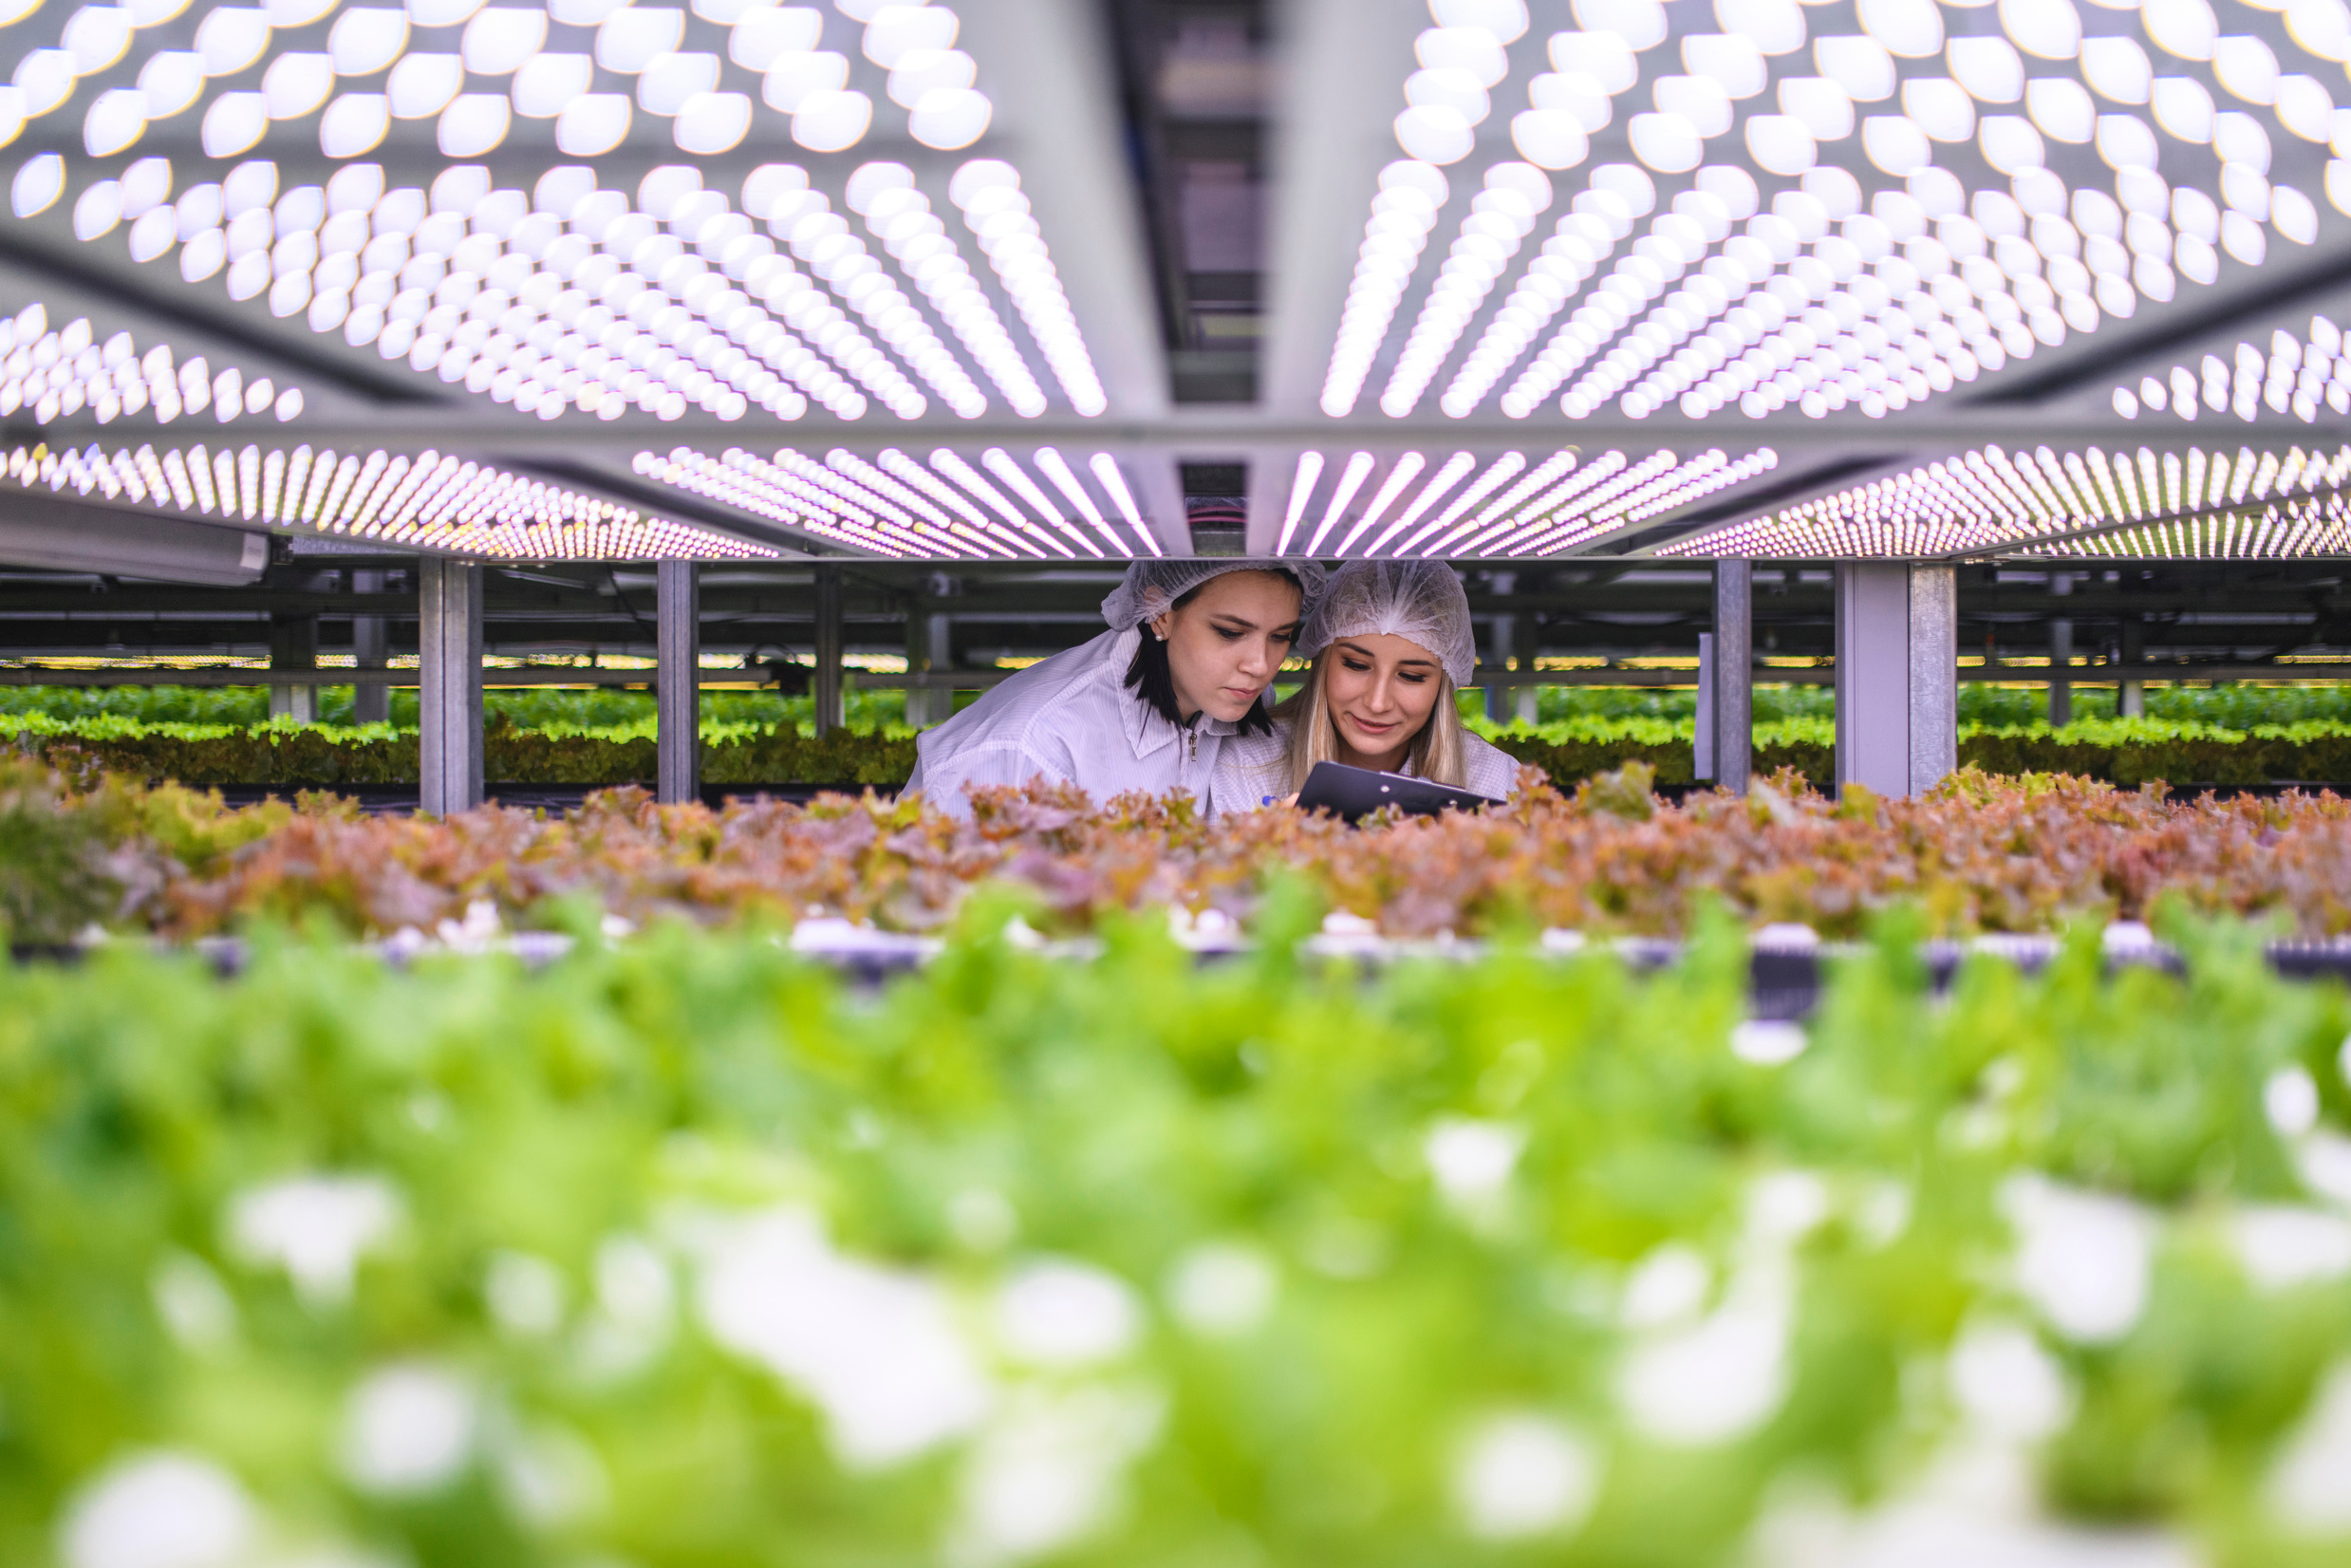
(1148, 705)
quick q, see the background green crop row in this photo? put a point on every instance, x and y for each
(2237, 706)
(2127, 752)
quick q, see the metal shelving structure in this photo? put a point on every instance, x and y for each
(1870, 328)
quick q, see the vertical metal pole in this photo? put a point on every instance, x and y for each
(371, 649)
(1897, 676)
(2061, 654)
(1526, 701)
(1733, 690)
(1501, 642)
(293, 646)
(449, 684)
(2131, 698)
(1933, 675)
(1702, 743)
(917, 663)
(677, 696)
(830, 714)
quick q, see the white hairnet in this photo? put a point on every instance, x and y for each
(1419, 601)
(1151, 587)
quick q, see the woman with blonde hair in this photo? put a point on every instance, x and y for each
(1392, 643)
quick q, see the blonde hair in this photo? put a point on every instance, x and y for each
(1434, 754)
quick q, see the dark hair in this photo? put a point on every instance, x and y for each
(1150, 676)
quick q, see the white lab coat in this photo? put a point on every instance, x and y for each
(1257, 766)
(1070, 717)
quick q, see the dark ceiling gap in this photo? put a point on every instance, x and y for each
(1193, 77)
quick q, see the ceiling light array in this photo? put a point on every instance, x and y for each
(1991, 501)
(2295, 377)
(2318, 525)
(555, 58)
(572, 296)
(1820, 294)
(57, 374)
(431, 502)
(897, 506)
(1502, 507)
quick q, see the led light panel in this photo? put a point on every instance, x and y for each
(54, 374)
(1991, 502)
(1502, 507)
(1816, 217)
(433, 501)
(937, 506)
(564, 294)
(2312, 526)
(2297, 376)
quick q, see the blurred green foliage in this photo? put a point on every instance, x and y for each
(1499, 1261)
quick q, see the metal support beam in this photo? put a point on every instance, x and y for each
(2061, 654)
(1527, 709)
(1501, 644)
(371, 649)
(1897, 689)
(1732, 697)
(829, 713)
(449, 684)
(2131, 695)
(293, 646)
(930, 650)
(676, 697)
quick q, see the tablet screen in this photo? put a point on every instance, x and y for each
(1354, 792)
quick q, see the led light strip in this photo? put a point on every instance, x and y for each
(1993, 501)
(433, 501)
(896, 506)
(59, 373)
(1820, 319)
(899, 215)
(742, 479)
(1502, 507)
(2296, 377)
(2311, 527)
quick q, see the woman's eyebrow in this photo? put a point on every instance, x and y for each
(1362, 652)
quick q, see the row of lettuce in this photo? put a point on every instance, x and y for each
(1979, 854)
(683, 1251)
(2127, 752)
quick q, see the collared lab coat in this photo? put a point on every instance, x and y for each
(1256, 766)
(1070, 717)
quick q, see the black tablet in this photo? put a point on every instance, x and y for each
(1354, 792)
